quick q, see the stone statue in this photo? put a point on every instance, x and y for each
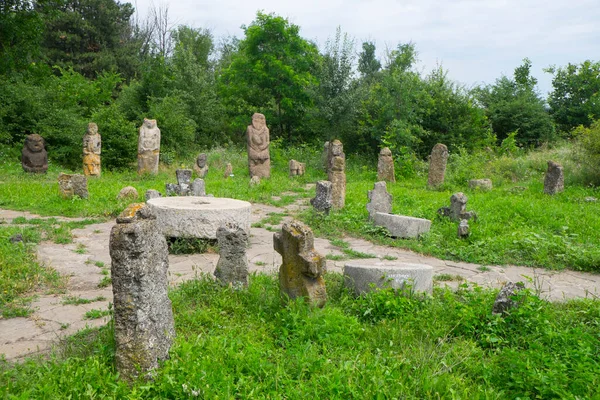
(385, 166)
(337, 174)
(259, 161)
(201, 167)
(92, 146)
(34, 157)
(148, 147)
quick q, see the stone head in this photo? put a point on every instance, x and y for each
(201, 160)
(149, 123)
(385, 152)
(337, 148)
(35, 143)
(92, 129)
(259, 121)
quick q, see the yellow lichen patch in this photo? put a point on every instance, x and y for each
(129, 213)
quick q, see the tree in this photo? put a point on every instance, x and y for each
(91, 36)
(336, 100)
(368, 64)
(575, 99)
(271, 72)
(514, 105)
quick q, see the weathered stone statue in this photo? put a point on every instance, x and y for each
(73, 185)
(232, 267)
(322, 200)
(143, 315)
(201, 167)
(148, 147)
(437, 165)
(302, 268)
(34, 157)
(458, 208)
(297, 168)
(259, 160)
(379, 200)
(554, 182)
(92, 147)
(337, 174)
(385, 166)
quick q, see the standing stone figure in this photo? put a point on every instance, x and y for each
(379, 200)
(73, 185)
(232, 267)
(437, 165)
(92, 147)
(302, 268)
(385, 166)
(34, 157)
(259, 160)
(554, 182)
(143, 315)
(322, 200)
(296, 168)
(337, 174)
(148, 147)
(201, 167)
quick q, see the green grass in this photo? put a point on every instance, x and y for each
(448, 278)
(95, 314)
(105, 282)
(246, 344)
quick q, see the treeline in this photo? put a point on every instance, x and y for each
(64, 63)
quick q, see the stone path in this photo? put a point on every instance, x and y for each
(52, 320)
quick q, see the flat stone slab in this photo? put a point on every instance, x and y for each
(198, 217)
(363, 278)
(401, 226)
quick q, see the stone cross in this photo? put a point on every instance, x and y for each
(73, 185)
(337, 174)
(201, 167)
(34, 157)
(302, 268)
(148, 147)
(143, 315)
(232, 267)
(92, 147)
(379, 200)
(385, 166)
(554, 182)
(437, 165)
(458, 208)
(259, 160)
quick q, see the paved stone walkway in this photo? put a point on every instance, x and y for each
(52, 320)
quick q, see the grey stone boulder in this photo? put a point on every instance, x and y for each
(504, 302)
(364, 277)
(152, 194)
(481, 184)
(379, 199)
(401, 226)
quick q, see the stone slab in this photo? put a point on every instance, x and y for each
(401, 226)
(199, 217)
(363, 278)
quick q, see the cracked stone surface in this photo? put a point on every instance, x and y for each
(52, 321)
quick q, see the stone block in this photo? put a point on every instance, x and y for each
(363, 277)
(401, 226)
(481, 184)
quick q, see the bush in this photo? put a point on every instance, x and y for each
(119, 137)
(587, 153)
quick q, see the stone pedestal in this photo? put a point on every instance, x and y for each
(401, 226)
(143, 316)
(366, 277)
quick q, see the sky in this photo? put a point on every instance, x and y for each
(475, 41)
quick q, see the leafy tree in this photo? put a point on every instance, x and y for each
(368, 64)
(336, 100)
(90, 36)
(514, 105)
(21, 31)
(271, 72)
(575, 99)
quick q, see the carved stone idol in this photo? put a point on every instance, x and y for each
(259, 160)
(92, 147)
(385, 166)
(34, 157)
(201, 167)
(337, 174)
(148, 147)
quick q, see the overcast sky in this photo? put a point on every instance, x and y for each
(476, 41)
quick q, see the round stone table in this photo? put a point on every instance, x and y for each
(198, 217)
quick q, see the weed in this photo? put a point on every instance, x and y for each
(260, 263)
(99, 264)
(81, 249)
(389, 258)
(448, 278)
(95, 314)
(191, 245)
(483, 268)
(336, 257)
(105, 282)
(75, 300)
